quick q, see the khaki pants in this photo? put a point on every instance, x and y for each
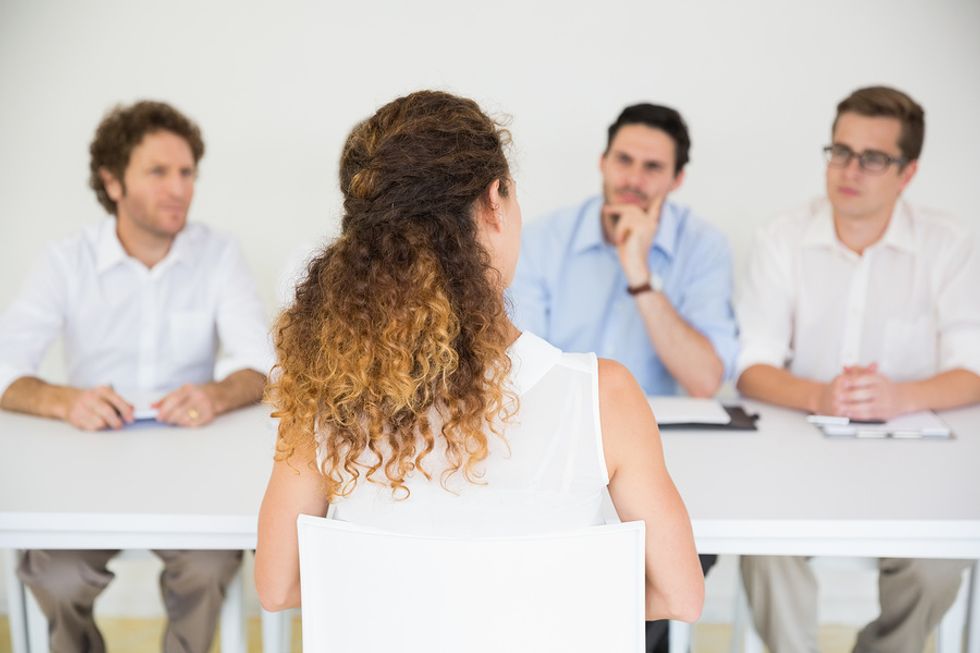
(66, 584)
(914, 595)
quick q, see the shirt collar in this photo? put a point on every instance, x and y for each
(530, 358)
(180, 250)
(666, 238)
(820, 231)
(899, 233)
(110, 252)
(589, 232)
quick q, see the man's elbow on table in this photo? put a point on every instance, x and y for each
(705, 387)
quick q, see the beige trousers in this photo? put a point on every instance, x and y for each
(914, 595)
(66, 584)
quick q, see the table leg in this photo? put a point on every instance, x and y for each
(15, 602)
(973, 611)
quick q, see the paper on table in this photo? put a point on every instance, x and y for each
(923, 424)
(141, 401)
(688, 410)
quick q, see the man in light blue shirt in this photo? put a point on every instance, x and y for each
(633, 277)
(630, 275)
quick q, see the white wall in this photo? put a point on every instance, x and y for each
(276, 87)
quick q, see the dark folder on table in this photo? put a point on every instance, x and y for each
(741, 421)
(692, 414)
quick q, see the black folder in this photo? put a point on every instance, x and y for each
(741, 421)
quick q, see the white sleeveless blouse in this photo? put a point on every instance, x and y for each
(552, 478)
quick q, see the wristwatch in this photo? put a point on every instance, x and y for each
(655, 284)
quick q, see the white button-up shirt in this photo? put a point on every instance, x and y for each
(910, 303)
(145, 330)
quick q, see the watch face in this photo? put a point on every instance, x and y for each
(656, 282)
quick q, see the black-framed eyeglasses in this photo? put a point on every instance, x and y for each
(870, 160)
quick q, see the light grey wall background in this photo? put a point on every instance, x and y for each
(276, 86)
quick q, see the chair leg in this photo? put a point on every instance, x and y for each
(680, 636)
(233, 637)
(950, 633)
(740, 613)
(744, 637)
(277, 631)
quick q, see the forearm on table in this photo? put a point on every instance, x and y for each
(945, 390)
(238, 389)
(778, 386)
(686, 353)
(31, 395)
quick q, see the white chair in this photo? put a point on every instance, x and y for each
(956, 632)
(370, 591)
(277, 631)
(29, 628)
(681, 638)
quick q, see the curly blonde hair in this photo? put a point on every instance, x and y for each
(401, 319)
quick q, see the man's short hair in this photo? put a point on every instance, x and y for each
(659, 117)
(122, 129)
(875, 101)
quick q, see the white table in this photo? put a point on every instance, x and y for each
(784, 489)
(788, 490)
(144, 487)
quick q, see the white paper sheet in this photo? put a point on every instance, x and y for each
(923, 424)
(141, 401)
(688, 410)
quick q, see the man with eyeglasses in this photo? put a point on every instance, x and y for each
(863, 306)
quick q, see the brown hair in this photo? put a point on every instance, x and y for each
(399, 328)
(876, 101)
(122, 129)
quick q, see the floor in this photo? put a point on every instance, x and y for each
(143, 636)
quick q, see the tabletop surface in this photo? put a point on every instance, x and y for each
(788, 470)
(47, 466)
(786, 479)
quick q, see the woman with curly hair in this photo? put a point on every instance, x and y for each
(407, 399)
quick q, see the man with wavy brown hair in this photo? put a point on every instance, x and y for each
(143, 300)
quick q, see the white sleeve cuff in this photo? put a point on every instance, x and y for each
(760, 354)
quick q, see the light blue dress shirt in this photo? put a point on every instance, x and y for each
(570, 289)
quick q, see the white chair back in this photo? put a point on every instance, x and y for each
(365, 590)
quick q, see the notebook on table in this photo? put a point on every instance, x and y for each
(921, 425)
(689, 413)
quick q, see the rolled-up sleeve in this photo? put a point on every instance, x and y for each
(765, 305)
(958, 307)
(240, 319)
(707, 299)
(34, 319)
